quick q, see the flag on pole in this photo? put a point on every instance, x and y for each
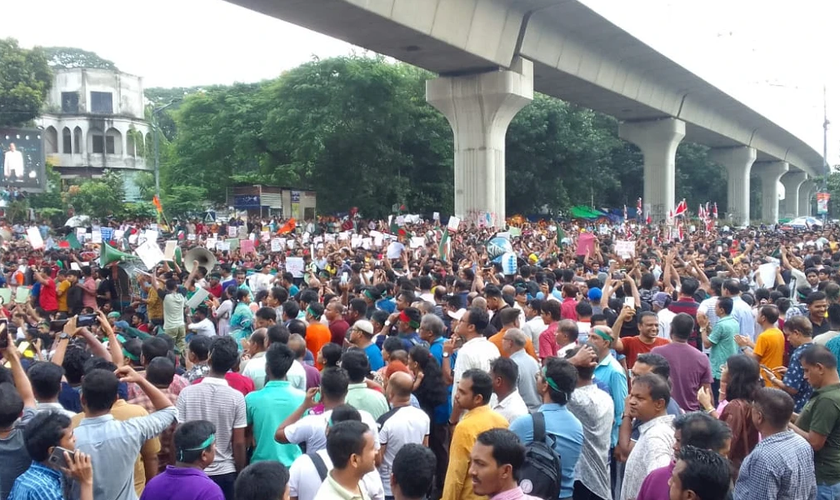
(681, 209)
(714, 211)
(639, 214)
(625, 213)
(700, 214)
(288, 227)
(443, 246)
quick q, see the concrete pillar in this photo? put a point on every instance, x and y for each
(738, 162)
(770, 173)
(658, 140)
(479, 109)
(806, 191)
(791, 181)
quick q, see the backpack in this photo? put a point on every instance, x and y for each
(319, 464)
(540, 474)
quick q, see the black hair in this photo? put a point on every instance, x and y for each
(97, 363)
(584, 309)
(160, 372)
(331, 353)
(482, 384)
(278, 360)
(432, 391)
(584, 372)
(356, 362)
(99, 389)
(297, 326)
(344, 413)
(479, 318)
(688, 286)
(744, 377)
(11, 404)
(345, 440)
(413, 469)
(659, 365)
(360, 306)
(508, 315)
(505, 368)
(224, 354)
(46, 379)
(189, 436)
(507, 449)
(392, 344)
(564, 375)
(814, 296)
(775, 405)
(154, 347)
(770, 313)
(334, 383)
(74, 364)
(200, 346)
(278, 334)
(280, 294)
(725, 304)
(266, 313)
(552, 308)
(702, 430)
(819, 355)
(262, 481)
(732, 286)
(658, 386)
(706, 473)
(43, 432)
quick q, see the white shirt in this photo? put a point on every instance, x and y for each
(665, 317)
(311, 429)
(400, 426)
(533, 328)
(304, 480)
(512, 407)
(255, 370)
(654, 449)
(594, 408)
(476, 353)
(204, 328)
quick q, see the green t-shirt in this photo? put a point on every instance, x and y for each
(266, 409)
(723, 343)
(822, 415)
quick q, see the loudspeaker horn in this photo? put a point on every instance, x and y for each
(110, 254)
(199, 257)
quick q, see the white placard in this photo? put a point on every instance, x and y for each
(198, 297)
(265, 236)
(768, 274)
(290, 243)
(418, 242)
(132, 239)
(395, 250)
(224, 246)
(366, 243)
(318, 239)
(232, 231)
(169, 249)
(400, 220)
(277, 244)
(211, 243)
(355, 241)
(191, 237)
(118, 234)
(96, 236)
(35, 238)
(295, 265)
(150, 253)
(454, 223)
(625, 249)
(151, 235)
(75, 266)
(436, 216)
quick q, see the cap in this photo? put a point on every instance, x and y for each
(594, 294)
(661, 299)
(114, 314)
(457, 315)
(364, 325)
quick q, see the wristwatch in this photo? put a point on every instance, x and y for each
(445, 354)
(63, 336)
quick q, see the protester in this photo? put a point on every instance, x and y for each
(495, 462)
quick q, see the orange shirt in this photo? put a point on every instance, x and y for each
(770, 349)
(317, 334)
(497, 341)
(633, 346)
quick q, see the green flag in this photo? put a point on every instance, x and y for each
(560, 235)
(444, 244)
(74, 242)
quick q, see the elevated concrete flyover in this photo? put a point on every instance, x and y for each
(492, 54)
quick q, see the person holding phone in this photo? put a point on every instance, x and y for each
(50, 442)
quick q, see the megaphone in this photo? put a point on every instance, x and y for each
(110, 254)
(199, 257)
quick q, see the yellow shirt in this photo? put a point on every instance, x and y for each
(770, 349)
(457, 485)
(124, 411)
(61, 291)
(154, 308)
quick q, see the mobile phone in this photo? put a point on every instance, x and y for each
(4, 333)
(344, 278)
(630, 302)
(56, 458)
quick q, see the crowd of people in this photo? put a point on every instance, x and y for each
(370, 360)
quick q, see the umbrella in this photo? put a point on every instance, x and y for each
(78, 221)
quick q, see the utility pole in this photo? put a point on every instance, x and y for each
(825, 140)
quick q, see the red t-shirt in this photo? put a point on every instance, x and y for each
(633, 346)
(216, 291)
(47, 297)
(239, 382)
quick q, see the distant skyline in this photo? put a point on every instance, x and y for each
(772, 55)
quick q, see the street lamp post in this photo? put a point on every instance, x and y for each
(155, 125)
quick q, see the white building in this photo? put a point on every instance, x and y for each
(93, 120)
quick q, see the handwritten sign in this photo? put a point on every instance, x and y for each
(295, 265)
(625, 249)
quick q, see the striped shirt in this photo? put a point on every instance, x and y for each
(780, 467)
(37, 483)
(214, 400)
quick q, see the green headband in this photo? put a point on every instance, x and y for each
(129, 355)
(310, 311)
(207, 442)
(604, 335)
(549, 381)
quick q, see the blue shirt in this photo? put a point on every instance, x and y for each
(387, 305)
(374, 355)
(443, 410)
(795, 379)
(410, 340)
(39, 482)
(564, 432)
(610, 372)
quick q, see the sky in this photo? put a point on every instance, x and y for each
(773, 55)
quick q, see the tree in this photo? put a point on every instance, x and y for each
(98, 197)
(72, 57)
(25, 79)
(184, 200)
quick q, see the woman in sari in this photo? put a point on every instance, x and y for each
(242, 319)
(222, 312)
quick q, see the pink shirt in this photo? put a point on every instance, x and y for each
(548, 341)
(89, 293)
(513, 494)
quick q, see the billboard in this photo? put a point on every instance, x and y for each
(22, 158)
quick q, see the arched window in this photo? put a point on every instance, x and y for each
(113, 142)
(51, 140)
(77, 140)
(66, 141)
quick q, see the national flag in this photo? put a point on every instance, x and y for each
(639, 208)
(288, 227)
(700, 214)
(443, 246)
(625, 213)
(681, 209)
(648, 220)
(156, 203)
(714, 211)
(708, 212)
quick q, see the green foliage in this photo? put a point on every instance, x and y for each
(49, 204)
(183, 200)
(18, 211)
(139, 210)
(72, 57)
(98, 197)
(25, 79)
